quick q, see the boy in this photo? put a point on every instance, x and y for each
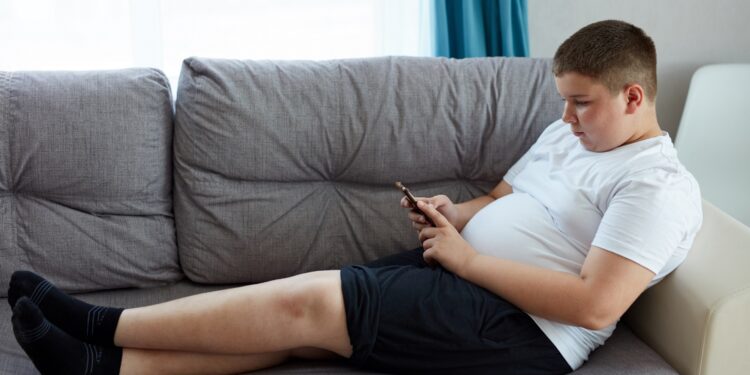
(531, 277)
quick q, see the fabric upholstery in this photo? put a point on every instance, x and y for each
(85, 178)
(283, 167)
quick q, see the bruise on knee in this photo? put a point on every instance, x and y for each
(293, 304)
(307, 302)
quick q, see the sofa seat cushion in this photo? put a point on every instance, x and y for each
(86, 178)
(623, 353)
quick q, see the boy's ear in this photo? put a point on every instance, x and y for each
(634, 97)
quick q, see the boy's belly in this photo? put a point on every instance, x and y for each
(518, 227)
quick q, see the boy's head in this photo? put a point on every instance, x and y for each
(613, 53)
(606, 74)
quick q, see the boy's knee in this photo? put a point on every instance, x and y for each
(312, 299)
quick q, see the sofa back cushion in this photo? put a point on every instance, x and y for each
(283, 167)
(85, 178)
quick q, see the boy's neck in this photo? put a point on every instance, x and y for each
(648, 127)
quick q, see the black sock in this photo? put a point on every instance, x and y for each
(86, 322)
(54, 351)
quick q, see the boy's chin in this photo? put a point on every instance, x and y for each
(592, 147)
(587, 145)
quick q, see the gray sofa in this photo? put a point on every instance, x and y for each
(264, 169)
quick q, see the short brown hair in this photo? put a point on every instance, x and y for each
(614, 53)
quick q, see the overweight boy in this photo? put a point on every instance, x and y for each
(528, 279)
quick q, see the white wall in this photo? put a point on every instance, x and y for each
(687, 33)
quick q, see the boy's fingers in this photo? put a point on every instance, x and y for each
(427, 233)
(404, 202)
(418, 226)
(416, 217)
(433, 214)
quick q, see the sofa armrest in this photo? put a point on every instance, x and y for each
(698, 318)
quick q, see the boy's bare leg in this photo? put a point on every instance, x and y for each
(163, 362)
(301, 311)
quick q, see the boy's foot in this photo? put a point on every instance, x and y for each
(86, 322)
(55, 352)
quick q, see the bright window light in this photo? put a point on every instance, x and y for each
(94, 34)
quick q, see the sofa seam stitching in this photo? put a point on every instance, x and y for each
(50, 197)
(338, 260)
(11, 110)
(6, 116)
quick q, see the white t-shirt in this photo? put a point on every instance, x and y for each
(637, 201)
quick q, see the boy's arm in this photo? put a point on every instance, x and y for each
(596, 298)
(466, 210)
(607, 285)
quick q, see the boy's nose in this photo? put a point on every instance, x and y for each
(568, 115)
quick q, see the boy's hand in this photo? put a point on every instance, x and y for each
(443, 244)
(441, 202)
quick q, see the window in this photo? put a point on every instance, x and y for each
(91, 34)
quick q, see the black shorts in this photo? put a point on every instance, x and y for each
(406, 317)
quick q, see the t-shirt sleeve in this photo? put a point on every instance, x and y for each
(648, 217)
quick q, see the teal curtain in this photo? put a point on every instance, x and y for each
(477, 28)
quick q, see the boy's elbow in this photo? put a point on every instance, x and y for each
(595, 323)
(596, 318)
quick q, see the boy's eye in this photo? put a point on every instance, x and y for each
(578, 103)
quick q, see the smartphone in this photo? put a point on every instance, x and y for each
(413, 201)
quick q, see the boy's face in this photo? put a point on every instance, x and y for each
(595, 115)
